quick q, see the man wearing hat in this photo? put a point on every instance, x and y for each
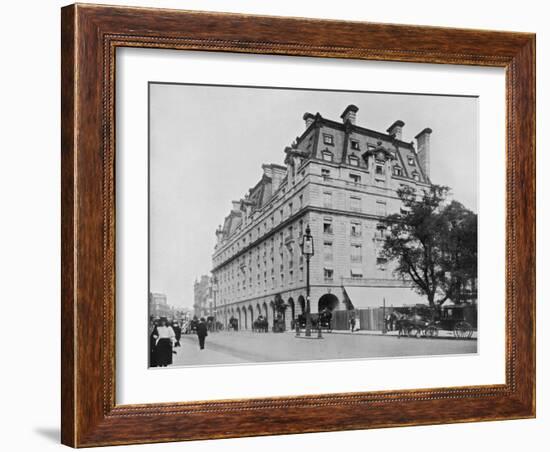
(202, 332)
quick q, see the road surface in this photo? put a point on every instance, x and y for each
(231, 347)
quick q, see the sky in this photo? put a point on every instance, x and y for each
(208, 143)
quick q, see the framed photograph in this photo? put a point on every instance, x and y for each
(280, 225)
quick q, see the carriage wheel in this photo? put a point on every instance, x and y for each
(414, 331)
(432, 331)
(463, 330)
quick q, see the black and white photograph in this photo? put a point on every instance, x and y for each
(302, 225)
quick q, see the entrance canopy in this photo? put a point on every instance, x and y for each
(362, 297)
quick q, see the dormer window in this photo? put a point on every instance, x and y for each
(327, 156)
(379, 170)
(355, 145)
(328, 139)
(411, 160)
(397, 171)
(353, 160)
(416, 176)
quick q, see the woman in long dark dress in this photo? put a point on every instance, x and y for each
(153, 345)
(165, 338)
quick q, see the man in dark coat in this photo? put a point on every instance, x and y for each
(202, 332)
(177, 330)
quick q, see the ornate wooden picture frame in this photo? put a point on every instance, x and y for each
(90, 37)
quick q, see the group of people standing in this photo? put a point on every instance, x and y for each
(164, 338)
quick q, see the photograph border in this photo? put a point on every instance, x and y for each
(90, 36)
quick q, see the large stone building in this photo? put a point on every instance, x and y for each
(340, 179)
(202, 305)
(158, 306)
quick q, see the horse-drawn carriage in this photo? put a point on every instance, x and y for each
(190, 327)
(260, 325)
(423, 321)
(322, 320)
(233, 324)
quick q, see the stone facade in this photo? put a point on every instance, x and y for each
(341, 180)
(202, 305)
(158, 306)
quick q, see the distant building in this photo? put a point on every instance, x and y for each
(203, 304)
(341, 179)
(158, 306)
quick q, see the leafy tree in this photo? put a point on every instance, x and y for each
(433, 243)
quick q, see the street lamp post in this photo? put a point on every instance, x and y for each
(214, 290)
(308, 251)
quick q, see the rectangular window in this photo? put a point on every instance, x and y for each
(381, 262)
(327, 156)
(301, 201)
(411, 161)
(355, 229)
(355, 203)
(379, 170)
(289, 209)
(327, 250)
(397, 171)
(356, 253)
(328, 273)
(355, 178)
(328, 139)
(327, 199)
(356, 272)
(325, 173)
(355, 144)
(327, 226)
(381, 208)
(290, 276)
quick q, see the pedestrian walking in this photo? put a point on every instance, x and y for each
(153, 342)
(164, 339)
(177, 332)
(202, 332)
(352, 322)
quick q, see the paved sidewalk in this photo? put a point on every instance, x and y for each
(443, 334)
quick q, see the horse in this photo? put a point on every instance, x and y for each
(412, 325)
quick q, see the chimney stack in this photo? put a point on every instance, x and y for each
(396, 129)
(308, 118)
(423, 150)
(350, 114)
(236, 206)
